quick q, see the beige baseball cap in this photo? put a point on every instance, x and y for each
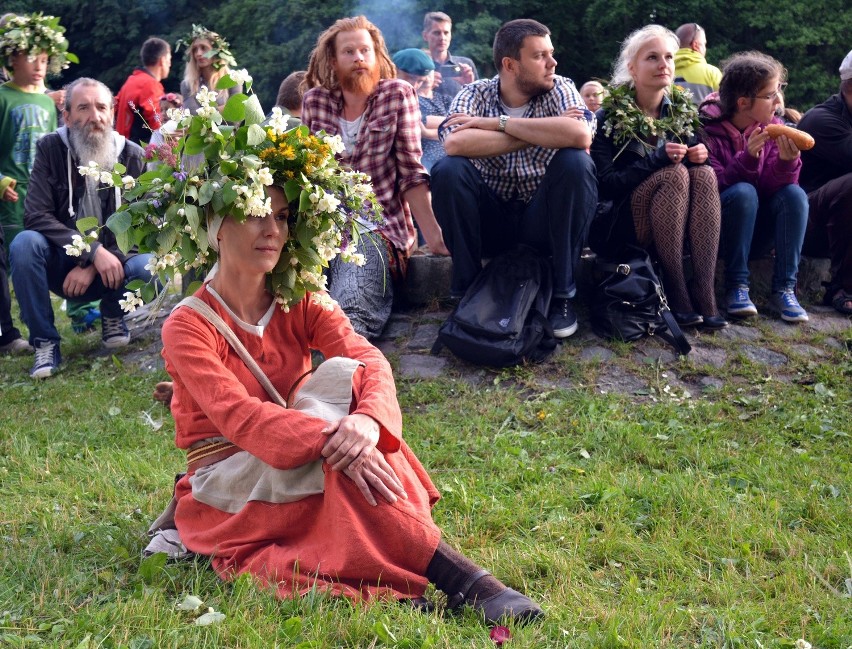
(846, 67)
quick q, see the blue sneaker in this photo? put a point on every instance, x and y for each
(739, 303)
(47, 358)
(787, 306)
(114, 332)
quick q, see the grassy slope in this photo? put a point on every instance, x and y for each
(721, 520)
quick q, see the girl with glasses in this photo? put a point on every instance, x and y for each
(762, 202)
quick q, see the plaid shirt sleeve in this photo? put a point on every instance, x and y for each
(567, 96)
(473, 99)
(408, 148)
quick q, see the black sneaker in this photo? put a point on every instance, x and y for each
(114, 332)
(562, 317)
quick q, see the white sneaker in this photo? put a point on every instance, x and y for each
(17, 346)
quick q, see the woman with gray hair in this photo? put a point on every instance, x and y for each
(656, 189)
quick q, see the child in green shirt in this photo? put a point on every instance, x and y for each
(29, 46)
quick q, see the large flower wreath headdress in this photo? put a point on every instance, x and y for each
(216, 169)
(220, 51)
(33, 34)
(626, 122)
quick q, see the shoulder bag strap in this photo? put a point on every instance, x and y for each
(674, 335)
(213, 318)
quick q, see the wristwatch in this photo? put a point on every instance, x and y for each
(502, 125)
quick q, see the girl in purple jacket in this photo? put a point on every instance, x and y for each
(758, 181)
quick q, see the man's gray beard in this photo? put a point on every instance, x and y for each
(90, 145)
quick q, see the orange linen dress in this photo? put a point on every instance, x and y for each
(334, 541)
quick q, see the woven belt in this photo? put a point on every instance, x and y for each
(209, 454)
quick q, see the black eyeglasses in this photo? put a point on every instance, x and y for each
(772, 96)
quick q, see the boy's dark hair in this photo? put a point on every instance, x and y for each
(289, 92)
(510, 39)
(153, 50)
(743, 75)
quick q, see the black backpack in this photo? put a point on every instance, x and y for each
(502, 318)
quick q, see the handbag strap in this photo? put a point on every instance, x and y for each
(213, 318)
(674, 336)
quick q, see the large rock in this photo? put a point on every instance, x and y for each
(428, 279)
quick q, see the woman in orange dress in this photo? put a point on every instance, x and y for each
(324, 497)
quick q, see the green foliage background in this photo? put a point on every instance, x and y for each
(274, 37)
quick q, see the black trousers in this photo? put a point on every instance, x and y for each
(477, 224)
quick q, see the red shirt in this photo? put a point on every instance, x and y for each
(141, 92)
(387, 148)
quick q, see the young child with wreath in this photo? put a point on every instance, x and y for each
(31, 47)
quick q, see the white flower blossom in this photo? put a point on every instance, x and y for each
(264, 176)
(206, 112)
(129, 182)
(258, 206)
(335, 142)
(206, 97)
(278, 122)
(77, 246)
(131, 302)
(801, 643)
(328, 203)
(323, 299)
(106, 178)
(240, 76)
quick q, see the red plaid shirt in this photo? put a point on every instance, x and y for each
(387, 148)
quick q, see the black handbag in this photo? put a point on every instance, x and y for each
(629, 302)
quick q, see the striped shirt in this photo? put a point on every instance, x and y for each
(387, 148)
(515, 175)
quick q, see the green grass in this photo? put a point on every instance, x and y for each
(721, 520)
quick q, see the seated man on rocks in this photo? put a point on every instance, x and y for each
(51, 255)
(517, 168)
(827, 177)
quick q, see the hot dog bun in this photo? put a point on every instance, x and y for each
(802, 140)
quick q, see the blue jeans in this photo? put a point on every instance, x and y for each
(477, 224)
(39, 268)
(746, 220)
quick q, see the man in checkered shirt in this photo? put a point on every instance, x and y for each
(517, 168)
(353, 93)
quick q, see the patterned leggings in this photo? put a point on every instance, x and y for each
(674, 206)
